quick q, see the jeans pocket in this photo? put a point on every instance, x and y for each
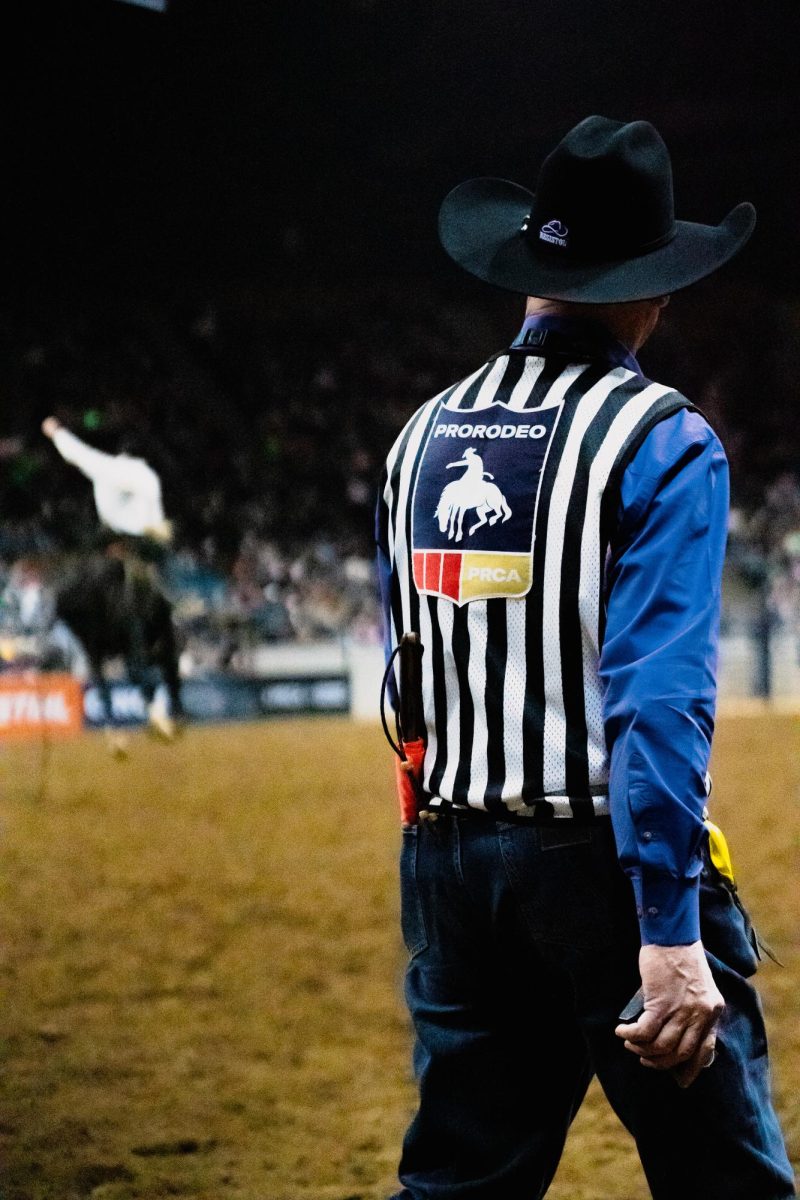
(725, 926)
(412, 920)
(568, 884)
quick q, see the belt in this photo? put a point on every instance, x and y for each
(538, 812)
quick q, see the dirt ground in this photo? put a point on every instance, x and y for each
(201, 964)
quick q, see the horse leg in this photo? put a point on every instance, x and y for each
(140, 664)
(99, 680)
(481, 512)
(460, 533)
(163, 654)
(168, 662)
(136, 657)
(116, 740)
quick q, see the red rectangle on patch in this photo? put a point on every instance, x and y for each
(433, 567)
(419, 569)
(451, 575)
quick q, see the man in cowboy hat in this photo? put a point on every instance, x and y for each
(561, 859)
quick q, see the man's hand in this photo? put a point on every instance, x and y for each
(50, 426)
(677, 1030)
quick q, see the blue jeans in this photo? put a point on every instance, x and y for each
(524, 948)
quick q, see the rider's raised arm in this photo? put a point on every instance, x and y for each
(95, 464)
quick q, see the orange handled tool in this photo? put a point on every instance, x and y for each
(410, 744)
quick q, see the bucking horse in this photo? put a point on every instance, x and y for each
(117, 610)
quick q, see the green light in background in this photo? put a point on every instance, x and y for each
(92, 419)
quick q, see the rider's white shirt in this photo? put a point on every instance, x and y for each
(127, 492)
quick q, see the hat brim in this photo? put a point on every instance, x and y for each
(480, 227)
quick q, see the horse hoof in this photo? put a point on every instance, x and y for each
(117, 744)
(162, 727)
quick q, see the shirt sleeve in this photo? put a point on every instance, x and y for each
(93, 463)
(126, 473)
(658, 666)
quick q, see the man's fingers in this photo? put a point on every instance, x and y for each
(658, 1038)
(644, 1031)
(687, 1072)
(685, 1068)
(665, 1044)
(677, 1042)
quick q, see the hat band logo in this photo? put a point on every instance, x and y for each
(555, 233)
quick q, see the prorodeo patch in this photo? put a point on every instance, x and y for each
(475, 502)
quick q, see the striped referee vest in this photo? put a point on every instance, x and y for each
(498, 508)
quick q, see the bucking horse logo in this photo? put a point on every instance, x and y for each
(473, 489)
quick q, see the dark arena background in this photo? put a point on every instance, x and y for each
(219, 234)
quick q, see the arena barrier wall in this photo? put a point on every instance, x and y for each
(334, 677)
(226, 698)
(32, 703)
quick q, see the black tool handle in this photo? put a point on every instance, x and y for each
(412, 723)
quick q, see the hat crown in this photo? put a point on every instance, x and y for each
(604, 193)
(600, 229)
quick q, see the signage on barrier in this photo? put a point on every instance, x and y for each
(227, 698)
(33, 703)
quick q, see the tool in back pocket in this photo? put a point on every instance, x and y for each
(720, 855)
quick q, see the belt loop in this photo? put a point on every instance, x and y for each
(582, 809)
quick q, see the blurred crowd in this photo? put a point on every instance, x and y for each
(266, 418)
(267, 415)
(763, 563)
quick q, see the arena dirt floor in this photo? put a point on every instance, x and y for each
(201, 964)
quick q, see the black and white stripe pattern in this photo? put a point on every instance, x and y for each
(511, 687)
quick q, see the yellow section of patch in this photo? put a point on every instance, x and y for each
(484, 575)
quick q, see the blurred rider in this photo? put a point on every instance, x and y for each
(136, 533)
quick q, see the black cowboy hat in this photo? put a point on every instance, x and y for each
(600, 229)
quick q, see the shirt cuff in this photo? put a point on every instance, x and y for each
(668, 909)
